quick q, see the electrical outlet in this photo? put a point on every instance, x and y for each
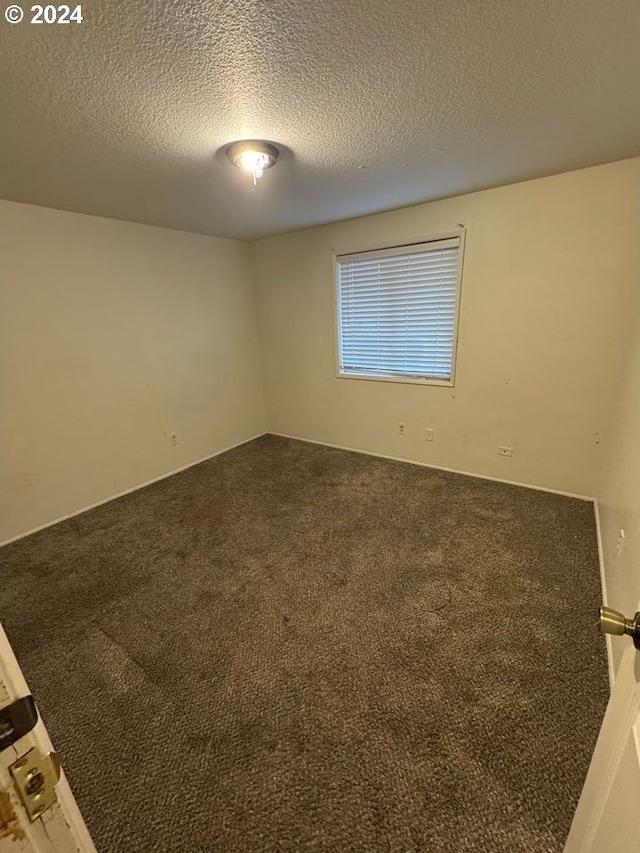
(505, 451)
(173, 438)
(429, 434)
(402, 429)
(620, 543)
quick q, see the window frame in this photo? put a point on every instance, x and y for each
(336, 252)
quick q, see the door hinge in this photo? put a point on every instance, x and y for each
(17, 720)
(36, 775)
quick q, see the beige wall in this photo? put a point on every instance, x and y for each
(619, 495)
(549, 271)
(113, 335)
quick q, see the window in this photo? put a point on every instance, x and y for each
(398, 311)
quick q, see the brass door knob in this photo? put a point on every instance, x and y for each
(613, 622)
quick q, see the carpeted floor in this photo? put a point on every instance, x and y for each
(291, 648)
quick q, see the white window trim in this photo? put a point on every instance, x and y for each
(397, 244)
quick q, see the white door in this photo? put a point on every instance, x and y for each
(607, 819)
(58, 828)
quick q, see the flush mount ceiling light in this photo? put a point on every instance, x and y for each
(253, 156)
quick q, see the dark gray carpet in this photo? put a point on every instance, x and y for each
(292, 648)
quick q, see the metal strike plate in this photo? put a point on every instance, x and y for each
(35, 776)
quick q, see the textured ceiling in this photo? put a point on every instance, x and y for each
(123, 114)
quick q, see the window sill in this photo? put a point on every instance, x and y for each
(405, 380)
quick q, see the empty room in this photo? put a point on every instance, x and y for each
(320, 427)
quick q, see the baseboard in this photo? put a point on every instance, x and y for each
(605, 599)
(435, 467)
(129, 491)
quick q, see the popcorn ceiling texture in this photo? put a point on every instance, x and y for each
(122, 115)
(291, 648)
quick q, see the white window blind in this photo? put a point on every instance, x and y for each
(397, 311)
